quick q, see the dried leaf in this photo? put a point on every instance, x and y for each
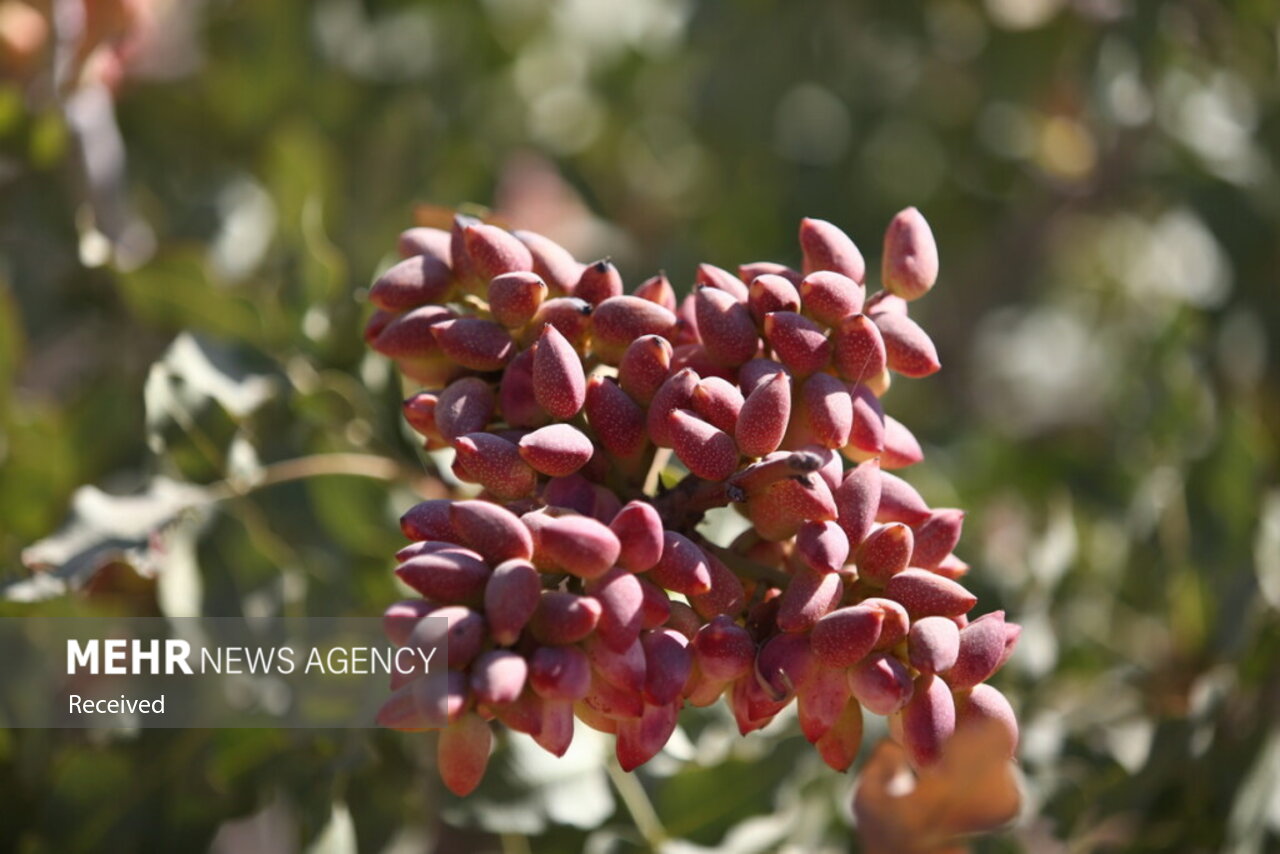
(973, 789)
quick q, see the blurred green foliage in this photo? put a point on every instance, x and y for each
(1102, 179)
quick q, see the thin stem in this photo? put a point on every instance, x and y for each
(683, 506)
(317, 465)
(638, 804)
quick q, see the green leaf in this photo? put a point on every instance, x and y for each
(174, 291)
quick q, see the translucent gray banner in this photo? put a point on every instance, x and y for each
(144, 672)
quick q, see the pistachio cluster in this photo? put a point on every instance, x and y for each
(577, 584)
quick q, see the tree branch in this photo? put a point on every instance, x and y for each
(317, 465)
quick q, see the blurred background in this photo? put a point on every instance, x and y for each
(193, 194)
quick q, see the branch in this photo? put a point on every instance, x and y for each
(638, 804)
(682, 507)
(317, 465)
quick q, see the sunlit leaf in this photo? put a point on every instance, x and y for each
(248, 225)
(192, 373)
(272, 828)
(338, 836)
(179, 584)
(1256, 811)
(105, 528)
(1266, 549)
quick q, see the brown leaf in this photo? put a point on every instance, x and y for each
(971, 790)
